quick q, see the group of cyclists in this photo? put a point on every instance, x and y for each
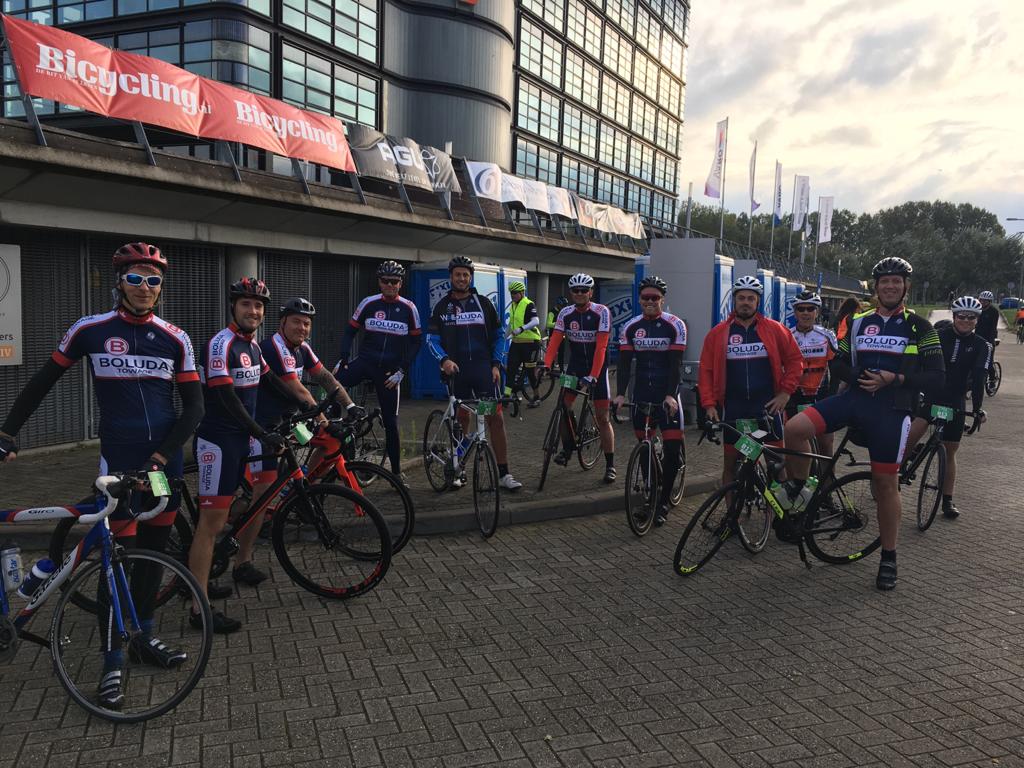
(755, 373)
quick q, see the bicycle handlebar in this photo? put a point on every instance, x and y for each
(118, 488)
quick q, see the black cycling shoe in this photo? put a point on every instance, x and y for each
(216, 591)
(662, 516)
(222, 625)
(886, 575)
(155, 652)
(561, 459)
(949, 510)
(609, 474)
(248, 574)
(110, 692)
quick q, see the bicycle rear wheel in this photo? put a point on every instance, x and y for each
(680, 482)
(589, 437)
(546, 386)
(643, 486)
(389, 496)
(332, 541)
(706, 532)
(844, 527)
(993, 382)
(929, 490)
(438, 451)
(486, 497)
(551, 442)
(76, 637)
(371, 448)
(754, 519)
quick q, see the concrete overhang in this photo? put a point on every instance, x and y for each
(86, 183)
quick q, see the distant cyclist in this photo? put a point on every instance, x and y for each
(586, 325)
(656, 340)
(887, 356)
(988, 326)
(966, 356)
(523, 328)
(137, 361)
(466, 338)
(560, 303)
(818, 346)
(392, 336)
(750, 366)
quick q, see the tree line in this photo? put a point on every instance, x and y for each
(954, 247)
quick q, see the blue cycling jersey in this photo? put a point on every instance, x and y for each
(466, 330)
(650, 340)
(288, 363)
(135, 364)
(391, 329)
(749, 382)
(231, 358)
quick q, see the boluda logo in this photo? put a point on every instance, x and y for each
(245, 359)
(217, 364)
(115, 345)
(289, 361)
(745, 351)
(208, 457)
(132, 366)
(575, 326)
(872, 330)
(380, 315)
(735, 339)
(652, 345)
(640, 333)
(394, 327)
(882, 343)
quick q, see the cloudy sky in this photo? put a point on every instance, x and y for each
(879, 101)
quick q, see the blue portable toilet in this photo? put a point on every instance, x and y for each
(767, 278)
(792, 289)
(722, 287)
(779, 306)
(621, 299)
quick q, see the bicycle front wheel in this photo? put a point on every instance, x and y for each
(370, 448)
(589, 437)
(438, 451)
(706, 532)
(546, 387)
(643, 486)
(159, 668)
(680, 482)
(755, 518)
(486, 498)
(389, 496)
(844, 527)
(994, 380)
(551, 440)
(929, 491)
(332, 541)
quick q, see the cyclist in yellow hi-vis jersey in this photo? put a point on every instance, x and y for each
(523, 328)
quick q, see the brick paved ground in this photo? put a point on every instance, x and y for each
(571, 643)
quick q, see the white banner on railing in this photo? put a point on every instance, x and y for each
(486, 178)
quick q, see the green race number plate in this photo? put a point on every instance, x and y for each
(942, 412)
(746, 426)
(749, 448)
(567, 381)
(158, 484)
(301, 434)
(486, 408)
(803, 407)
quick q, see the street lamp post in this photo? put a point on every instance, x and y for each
(1019, 237)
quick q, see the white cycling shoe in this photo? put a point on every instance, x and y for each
(509, 483)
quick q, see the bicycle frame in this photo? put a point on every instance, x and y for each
(568, 414)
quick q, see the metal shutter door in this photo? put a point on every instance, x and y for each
(51, 271)
(332, 297)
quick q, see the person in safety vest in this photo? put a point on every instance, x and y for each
(524, 330)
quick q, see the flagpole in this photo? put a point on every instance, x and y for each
(818, 237)
(792, 221)
(725, 158)
(689, 208)
(771, 241)
(753, 175)
(776, 187)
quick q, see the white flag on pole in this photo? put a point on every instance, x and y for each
(777, 211)
(486, 178)
(802, 194)
(713, 186)
(825, 219)
(754, 204)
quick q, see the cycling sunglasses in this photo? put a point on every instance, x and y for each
(965, 316)
(650, 297)
(136, 280)
(389, 280)
(580, 290)
(805, 308)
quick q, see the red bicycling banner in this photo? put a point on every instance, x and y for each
(58, 65)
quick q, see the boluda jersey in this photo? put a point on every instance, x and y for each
(749, 383)
(650, 339)
(231, 358)
(135, 363)
(388, 325)
(818, 346)
(288, 363)
(581, 330)
(879, 342)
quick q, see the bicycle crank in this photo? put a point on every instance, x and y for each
(9, 639)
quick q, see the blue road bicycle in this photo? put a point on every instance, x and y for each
(161, 655)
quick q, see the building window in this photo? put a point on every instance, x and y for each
(622, 12)
(611, 189)
(539, 111)
(670, 94)
(648, 32)
(536, 162)
(618, 54)
(350, 25)
(614, 144)
(615, 101)
(668, 133)
(582, 78)
(552, 11)
(583, 26)
(639, 199)
(664, 172)
(578, 176)
(312, 82)
(644, 118)
(641, 161)
(540, 53)
(229, 51)
(579, 131)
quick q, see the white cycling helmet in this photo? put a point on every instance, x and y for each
(581, 280)
(967, 304)
(747, 283)
(986, 296)
(807, 297)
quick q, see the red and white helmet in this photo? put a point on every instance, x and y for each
(138, 253)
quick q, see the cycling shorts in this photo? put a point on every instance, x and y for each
(131, 457)
(671, 426)
(883, 428)
(771, 424)
(599, 392)
(474, 381)
(222, 465)
(952, 431)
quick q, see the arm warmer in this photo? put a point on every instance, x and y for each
(31, 396)
(622, 373)
(978, 378)
(412, 349)
(675, 360)
(531, 324)
(599, 353)
(228, 399)
(347, 338)
(553, 343)
(434, 345)
(192, 410)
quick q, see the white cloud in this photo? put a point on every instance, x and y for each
(879, 101)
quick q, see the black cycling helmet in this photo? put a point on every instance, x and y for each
(297, 306)
(561, 301)
(462, 261)
(250, 287)
(653, 281)
(891, 265)
(807, 297)
(391, 268)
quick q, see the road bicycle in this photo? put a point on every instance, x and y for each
(644, 471)
(77, 637)
(519, 390)
(1020, 333)
(448, 454)
(330, 539)
(584, 437)
(838, 524)
(995, 374)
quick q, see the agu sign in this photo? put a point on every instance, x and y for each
(11, 340)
